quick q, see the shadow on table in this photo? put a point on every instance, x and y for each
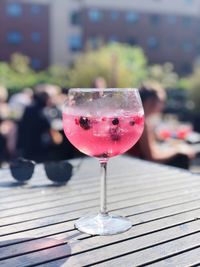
(29, 252)
(22, 171)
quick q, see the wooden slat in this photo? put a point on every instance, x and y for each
(52, 215)
(172, 251)
(135, 210)
(24, 192)
(163, 204)
(134, 229)
(128, 192)
(131, 233)
(142, 246)
(135, 180)
(122, 169)
(84, 175)
(55, 216)
(68, 191)
(185, 258)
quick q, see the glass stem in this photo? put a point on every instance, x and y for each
(103, 206)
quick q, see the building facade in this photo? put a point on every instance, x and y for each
(55, 31)
(24, 28)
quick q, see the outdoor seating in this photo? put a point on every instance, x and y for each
(37, 218)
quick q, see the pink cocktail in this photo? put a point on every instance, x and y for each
(103, 136)
(103, 123)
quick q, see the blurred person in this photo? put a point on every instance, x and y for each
(4, 108)
(99, 82)
(61, 148)
(8, 127)
(54, 91)
(153, 98)
(19, 101)
(53, 111)
(35, 134)
(51, 89)
(3, 150)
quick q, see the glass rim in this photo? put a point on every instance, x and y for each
(90, 90)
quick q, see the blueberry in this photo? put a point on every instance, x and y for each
(84, 123)
(115, 134)
(115, 121)
(132, 123)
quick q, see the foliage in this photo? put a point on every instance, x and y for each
(164, 74)
(184, 83)
(17, 74)
(20, 63)
(119, 64)
(55, 75)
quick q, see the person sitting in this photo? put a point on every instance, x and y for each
(19, 101)
(3, 149)
(99, 82)
(35, 134)
(8, 127)
(153, 98)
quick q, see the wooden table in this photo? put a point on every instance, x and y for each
(163, 203)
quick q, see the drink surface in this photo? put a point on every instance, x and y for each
(103, 136)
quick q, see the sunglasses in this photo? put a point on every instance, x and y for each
(58, 172)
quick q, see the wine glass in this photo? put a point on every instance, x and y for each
(103, 123)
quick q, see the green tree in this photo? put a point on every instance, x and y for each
(55, 75)
(18, 74)
(164, 74)
(121, 66)
(20, 63)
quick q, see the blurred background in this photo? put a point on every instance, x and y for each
(48, 46)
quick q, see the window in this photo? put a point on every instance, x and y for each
(95, 15)
(187, 46)
(187, 21)
(14, 10)
(35, 9)
(171, 19)
(132, 16)
(75, 43)
(152, 42)
(155, 19)
(171, 42)
(75, 18)
(189, 2)
(36, 63)
(131, 41)
(113, 38)
(36, 37)
(94, 42)
(114, 15)
(14, 37)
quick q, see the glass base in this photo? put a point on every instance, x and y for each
(103, 224)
